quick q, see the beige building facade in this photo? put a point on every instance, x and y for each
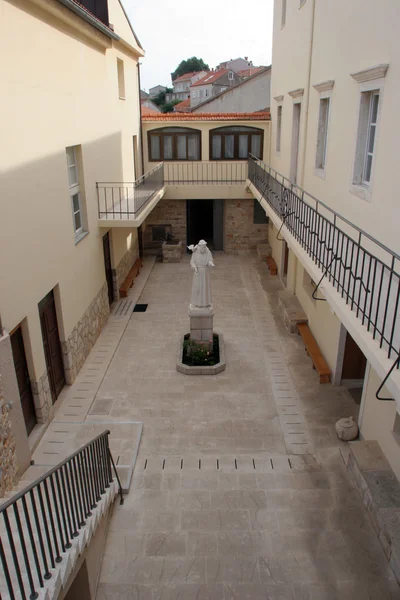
(72, 99)
(334, 122)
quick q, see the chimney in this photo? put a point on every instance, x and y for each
(246, 58)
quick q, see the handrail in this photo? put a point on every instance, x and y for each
(54, 508)
(366, 278)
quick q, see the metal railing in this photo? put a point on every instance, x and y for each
(38, 524)
(362, 269)
(125, 200)
(205, 172)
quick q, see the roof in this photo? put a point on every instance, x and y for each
(183, 106)
(149, 112)
(211, 77)
(250, 71)
(255, 116)
(186, 76)
(144, 95)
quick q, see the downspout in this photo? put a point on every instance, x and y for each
(308, 94)
(141, 125)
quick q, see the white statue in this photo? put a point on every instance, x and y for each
(201, 289)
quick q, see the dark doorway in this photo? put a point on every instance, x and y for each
(52, 345)
(205, 221)
(140, 241)
(24, 383)
(108, 268)
(354, 361)
(285, 259)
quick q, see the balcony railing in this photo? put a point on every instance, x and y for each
(363, 271)
(38, 524)
(121, 200)
(204, 173)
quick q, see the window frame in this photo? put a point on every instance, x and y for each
(230, 75)
(161, 132)
(75, 190)
(224, 131)
(121, 79)
(278, 141)
(283, 13)
(322, 134)
(374, 94)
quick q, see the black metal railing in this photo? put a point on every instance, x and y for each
(362, 269)
(38, 524)
(205, 172)
(125, 200)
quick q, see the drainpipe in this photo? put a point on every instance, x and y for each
(310, 56)
(141, 125)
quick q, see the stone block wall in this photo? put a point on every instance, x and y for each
(241, 235)
(42, 397)
(168, 212)
(8, 455)
(84, 335)
(124, 266)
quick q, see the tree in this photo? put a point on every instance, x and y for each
(169, 106)
(159, 99)
(189, 65)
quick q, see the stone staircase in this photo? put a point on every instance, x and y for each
(46, 524)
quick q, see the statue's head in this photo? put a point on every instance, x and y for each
(202, 246)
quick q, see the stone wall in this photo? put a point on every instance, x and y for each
(8, 457)
(42, 397)
(168, 212)
(124, 266)
(84, 335)
(241, 236)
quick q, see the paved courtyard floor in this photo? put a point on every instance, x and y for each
(240, 490)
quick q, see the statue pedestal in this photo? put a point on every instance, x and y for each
(201, 324)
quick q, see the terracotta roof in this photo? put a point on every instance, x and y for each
(254, 116)
(186, 76)
(183, 106)
(250, 71)
(149, 112)
(211, 77)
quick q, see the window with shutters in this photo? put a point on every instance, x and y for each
(236, 143)
(76, 191)
(174, 143)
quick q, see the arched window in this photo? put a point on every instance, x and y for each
(174, 143)
(236, 143)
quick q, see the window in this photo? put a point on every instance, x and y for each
(206, 92)
(283, 13)
(302, 2)
(121, 79)
(193, 94)
(278, 128)
(366, 137)
(230, 75)
(294, 159)
(259, 215)
(324, 105)
(78, 217)
(236, 143)
(174, 143)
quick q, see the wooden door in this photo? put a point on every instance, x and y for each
(286, 259)
(108, 268)
(354, 361)
(52, 345)
(24, 383)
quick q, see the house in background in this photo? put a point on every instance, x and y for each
(181, 85)
(154, 91)
(148, 103)
(143, 95)
(245, 73)
(212, 84)
(251, 95)
(182, 107)
(236, 64)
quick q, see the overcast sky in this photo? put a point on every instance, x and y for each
(214, 30)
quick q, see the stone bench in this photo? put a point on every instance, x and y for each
(291, 310)
(379, 489)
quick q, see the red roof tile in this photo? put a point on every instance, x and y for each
(186, 76)
(183, 106)
(250, 71)
(211, 77)
(254, 116)
(149, 112)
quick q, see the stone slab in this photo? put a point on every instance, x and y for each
(263, 250)
(291, 310)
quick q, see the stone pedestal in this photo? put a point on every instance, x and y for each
(201, 324)
(172, 253)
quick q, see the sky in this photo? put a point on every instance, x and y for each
(214, 30)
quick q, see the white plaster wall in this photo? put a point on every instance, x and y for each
(60, 89)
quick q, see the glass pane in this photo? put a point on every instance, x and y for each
(181, 144)
(70, 156)
(216, 147)
(368, 165)
(155, 147)
(72, 176)
(194, 147)
(243, 146)
(77, 220)
(256, 145)
(168, 147)
(371, 140)
(75, 202)
(374, 112)
(229, 146)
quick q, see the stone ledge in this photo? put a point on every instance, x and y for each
(211, 370)
(291, 310)
(263, 250)
(379, 489)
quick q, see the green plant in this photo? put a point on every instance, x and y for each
(198, 354)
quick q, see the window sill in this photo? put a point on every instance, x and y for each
(122, 98)
(80, 236)
(320, 173)
(361, 191)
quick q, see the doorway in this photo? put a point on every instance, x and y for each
(23, 380)
(204, 219)
(295, 142)
(108, 267)
(52, 345)
(285, 262)
(353, 368)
